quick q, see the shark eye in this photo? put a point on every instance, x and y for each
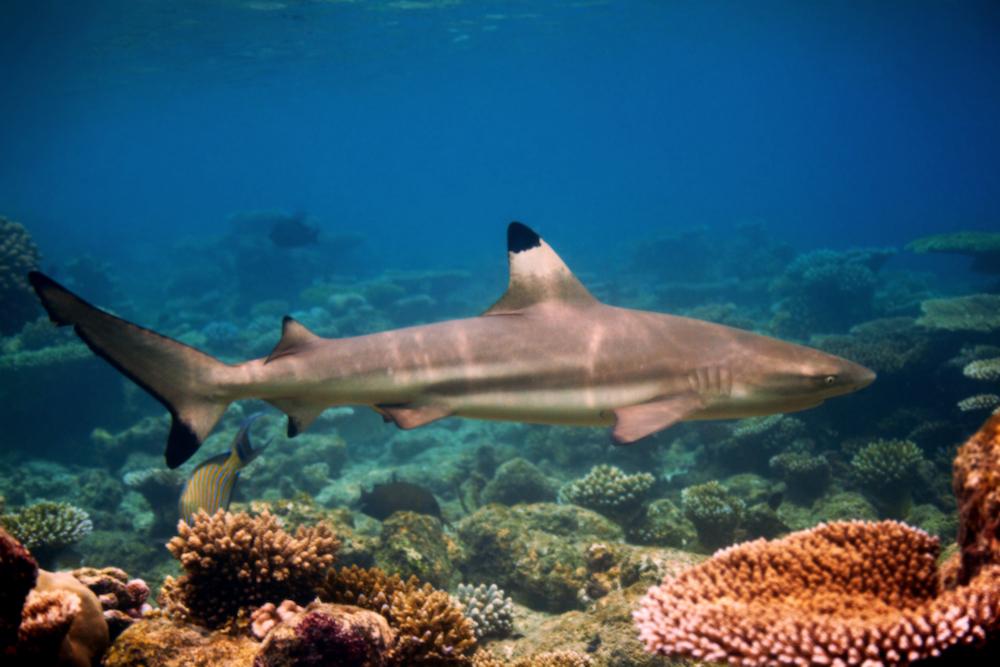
(830, 379)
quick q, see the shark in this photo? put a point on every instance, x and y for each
(546, 352)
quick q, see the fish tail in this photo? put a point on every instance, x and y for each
(196, 388)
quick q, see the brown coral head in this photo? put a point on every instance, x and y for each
(47, 617)
(976, 481)
(847, 593)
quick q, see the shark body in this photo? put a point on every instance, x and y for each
(547, 352)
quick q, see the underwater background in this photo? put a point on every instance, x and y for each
(825, 172)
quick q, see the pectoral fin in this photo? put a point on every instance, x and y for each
(634, 422)
(408, 416)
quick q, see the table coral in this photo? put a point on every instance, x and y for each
(235, 562)
(18, 256)
(976, 312)
(983, 369)
(847, 593)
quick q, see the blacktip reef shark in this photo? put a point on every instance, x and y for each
(547, 352)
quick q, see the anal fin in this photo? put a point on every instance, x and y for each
(635, 422)
(407, 416)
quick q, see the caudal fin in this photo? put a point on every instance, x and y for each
(189, 383)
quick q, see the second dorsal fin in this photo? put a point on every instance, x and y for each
(294, 336)
(537, 274)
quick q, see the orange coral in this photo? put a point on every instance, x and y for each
(846, 593)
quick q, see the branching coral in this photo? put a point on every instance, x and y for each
(18, 256)
(806, 475)
(491, 613)
(608, 490)
(46, 528)
(887, 469)
(546, 659)
(713, 511)
(429, 624)
(235, 562)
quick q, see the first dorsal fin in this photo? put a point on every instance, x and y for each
(537, 274)
(294, 336)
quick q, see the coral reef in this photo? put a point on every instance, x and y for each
(18, 256)
(713, 511)
(235, 562)
(161, 487)
(978, 402)
(46, 528)
(490, 612)
(608, 490)
(976, 482)
(983, 247)
(841, 593)
(159, 641)
(887, 469)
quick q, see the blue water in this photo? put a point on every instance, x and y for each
(130, 124)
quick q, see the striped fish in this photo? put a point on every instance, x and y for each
(211, 483)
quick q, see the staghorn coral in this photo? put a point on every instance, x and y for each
(887, 470)
(18, 571)
(713, 511)
(983, 369)
(236, 562)
(429, 624)
(847, 593)
(491, 613)
(18, 256)
(46, 528)
(608, 490)
(978, 402)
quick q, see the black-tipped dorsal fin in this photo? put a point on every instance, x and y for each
(537, 274)
(294, 336)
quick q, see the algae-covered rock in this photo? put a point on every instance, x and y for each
(519, 481)
(663, 524)
(159, 642)
(415, 544)
(536, 552)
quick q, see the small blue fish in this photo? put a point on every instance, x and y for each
(211, 483)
